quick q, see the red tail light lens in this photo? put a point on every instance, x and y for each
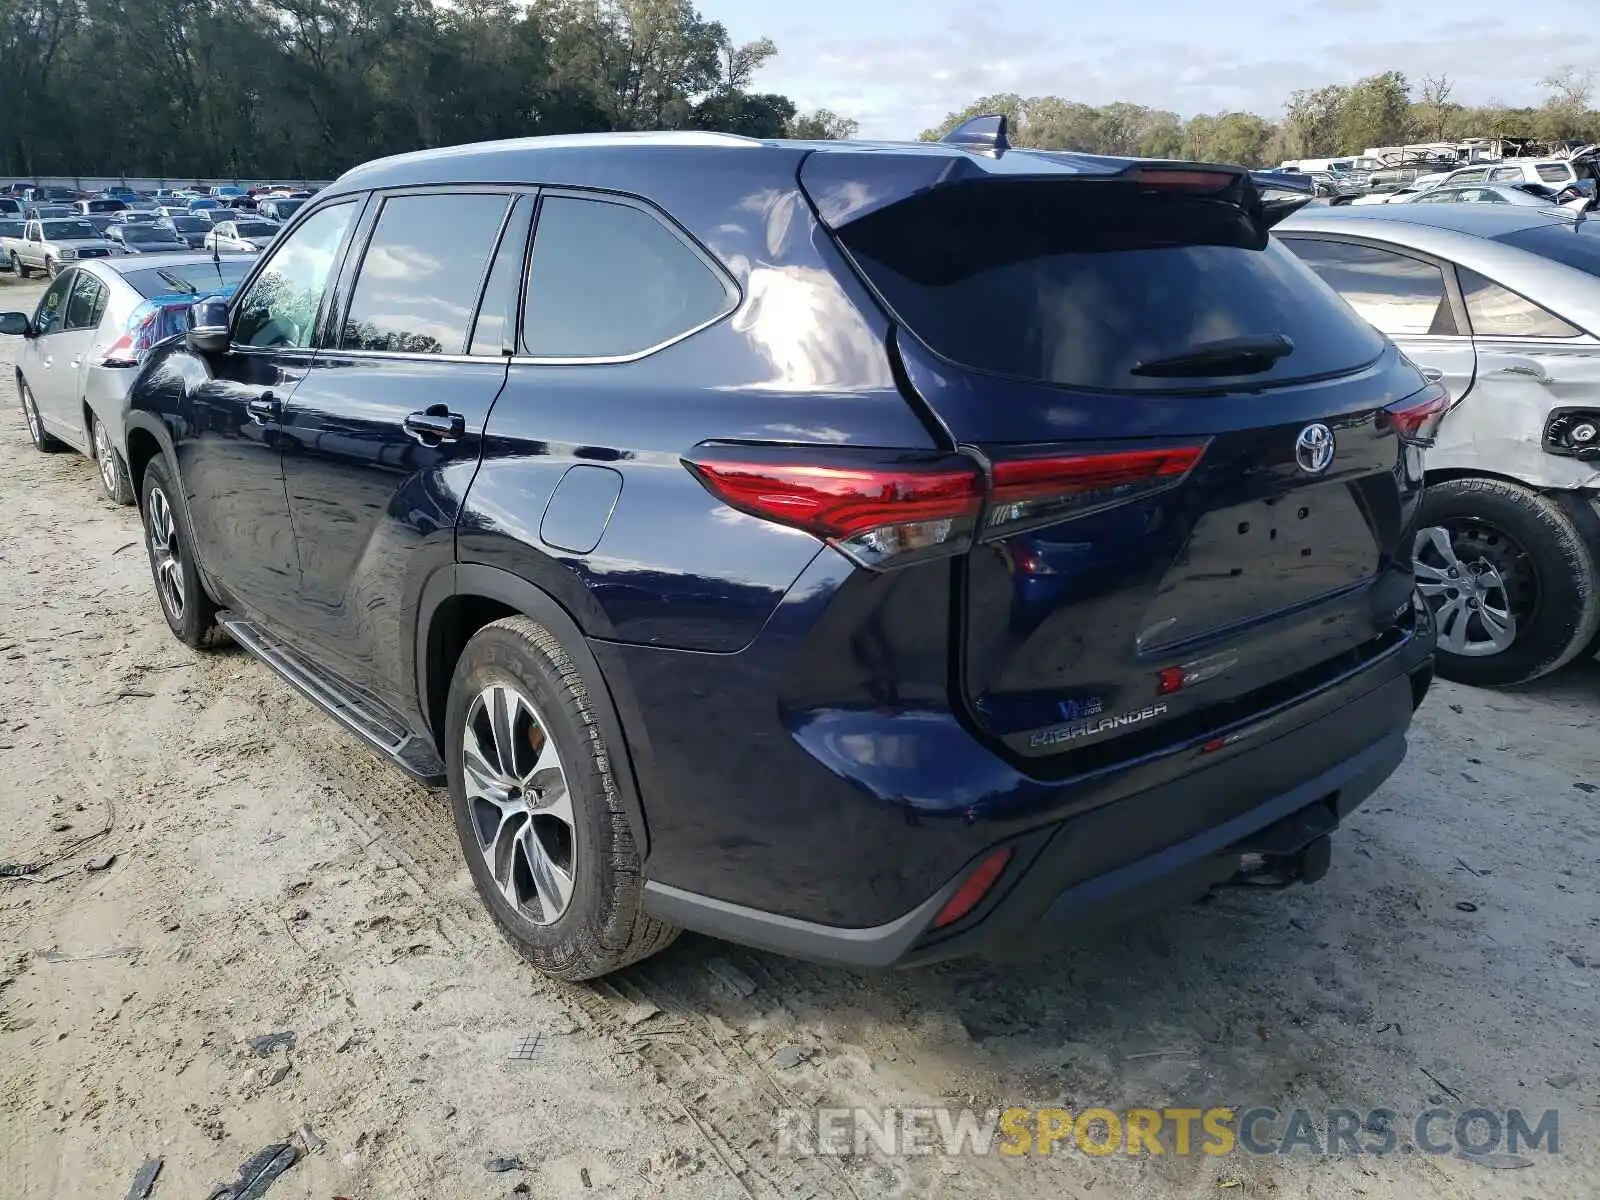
(973, 889)
(121, 353)
(1180, 179)
(884, 509)
(879, 512)
(1416, 419)
(1032, 491)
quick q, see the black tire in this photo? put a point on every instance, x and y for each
(113, 472)
(192, 617)
(1552, 582)
(602, 926)
(52, 268)
(22, 272)
(43, 442)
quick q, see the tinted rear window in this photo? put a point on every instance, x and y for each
(202, 277)
(1577, 244)
(1077, 284)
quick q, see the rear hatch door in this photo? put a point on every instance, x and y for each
(1198, 497)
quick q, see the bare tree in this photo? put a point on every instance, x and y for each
(1435, 105)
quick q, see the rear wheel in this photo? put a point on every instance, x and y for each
(42, 441)
(190, 612)
(113, 471)
(536, 807)
(52, 268)
(18, 269)
(1512, 584)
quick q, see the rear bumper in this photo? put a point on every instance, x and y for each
(1115, 861)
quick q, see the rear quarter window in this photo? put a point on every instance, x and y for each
(1556, 173)
(1078, 284)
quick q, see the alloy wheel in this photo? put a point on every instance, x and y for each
(165, 558)
(1479, 584)
(106, 457)
(520, 806)
(31, 411)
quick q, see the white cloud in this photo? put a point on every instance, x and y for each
(896, 86)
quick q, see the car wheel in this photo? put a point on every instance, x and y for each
(42, 441)
(190, 613)
(536, 807)
(51, 268)
(113, 471)
(21, 271)
(1513, 587)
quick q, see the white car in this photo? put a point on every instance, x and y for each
(1500, 305)
(242, 236)
(1558, 173)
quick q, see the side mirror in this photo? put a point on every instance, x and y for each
(16, 324)
(208, 326)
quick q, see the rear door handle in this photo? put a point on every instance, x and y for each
(436, 425)
(262, 408)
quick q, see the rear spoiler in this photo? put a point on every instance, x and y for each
(848, 182)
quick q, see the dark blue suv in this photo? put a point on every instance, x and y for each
(870, 552)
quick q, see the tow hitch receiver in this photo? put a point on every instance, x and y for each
(1296, 849)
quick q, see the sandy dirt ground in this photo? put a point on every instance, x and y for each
(271, 877)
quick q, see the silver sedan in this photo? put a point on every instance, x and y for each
(84, 342)
(1501, 305)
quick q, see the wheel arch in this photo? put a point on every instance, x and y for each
(144, 443)
(459, 600)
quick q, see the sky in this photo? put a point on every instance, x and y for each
(898, 66)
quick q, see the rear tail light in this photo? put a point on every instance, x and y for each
(873, 509)
(1180, 179)
(147, 325)
(1416, 419)
(974, 888)
(884, 509)
(1034, 491)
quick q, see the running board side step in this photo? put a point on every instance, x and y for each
(364, 716)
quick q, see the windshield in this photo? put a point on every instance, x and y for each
(105, 206)
(204, 276)
(1575, 244)
(66, 230)
(285, 208)
(10, 228)
(1079, 284)
(256, 228)
(190, 224)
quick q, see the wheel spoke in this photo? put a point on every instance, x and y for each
(1428, 570)
(482, 777)
(1500, 625)
(1438, 540)
(503, 720)
(1452, 619)
(1433, 589)
(551, 883)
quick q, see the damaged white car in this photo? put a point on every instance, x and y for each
(1502, 306)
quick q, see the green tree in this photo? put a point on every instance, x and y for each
(1312, 125)
(1566, 113)
(822, 126)
(1375, 112)
(1008, 104)
(1234, 137)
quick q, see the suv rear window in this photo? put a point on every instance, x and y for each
(1572, 243)
(1077, 284)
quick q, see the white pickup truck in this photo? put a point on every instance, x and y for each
(46, 245)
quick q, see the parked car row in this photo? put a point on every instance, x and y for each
(1012, 541)
(1530, 182)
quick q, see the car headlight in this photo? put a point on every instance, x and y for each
(68, 252)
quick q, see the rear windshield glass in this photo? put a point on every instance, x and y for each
(1078, 284)
(204, 276)
(1575, 243)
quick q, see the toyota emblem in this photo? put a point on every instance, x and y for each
(1313, 449)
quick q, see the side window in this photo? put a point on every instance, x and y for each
(1470, 176)
(1483, 196)
(52, 311)
(86, 304)
(1556, 173)
(498, 312)
(611, 281)
(280, 306)
(420, 276)
(1398, 295)
(1496, 312)
(1505, 175)
(1438, 196)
